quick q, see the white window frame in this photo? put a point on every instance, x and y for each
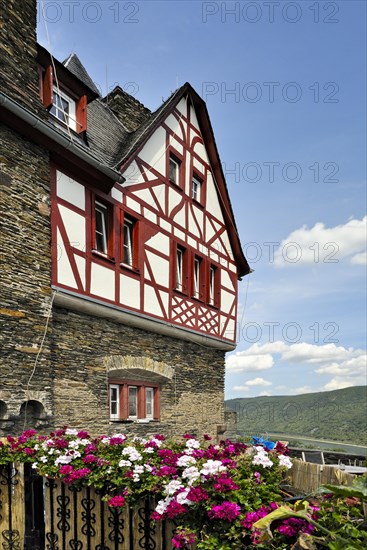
(150, 391)
(197, 265)
(132, 416)
(195, 188)
(128, 250)
(102, 209)
(67, 118)
(176, 178)
(115, 416)
(212, 271)
(179, 268)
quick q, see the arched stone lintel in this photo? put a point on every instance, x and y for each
(128, 366)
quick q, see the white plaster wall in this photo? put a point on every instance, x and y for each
(129, 291)
(226, 281)
(102, 281)
(153, 151)
(151, 304)
(116, 194)
(132, 175)
(159, 267)
(70, 190)
(64, 272)
(159, 242)
(212, 202)
(175, 126)
(80, 262)
(193, 118)
(226, 301)
(75, 227)
(182, 106)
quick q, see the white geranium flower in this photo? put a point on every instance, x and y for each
(172, 487)
(186, 460)
(212, 467)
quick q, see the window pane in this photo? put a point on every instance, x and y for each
(114, 402)
(133, 401)
(196, 277)
(149, 402)
(173, 170)
(179, 266)
(211, 285)
(128, 242)
(195, 189)
(101, 227)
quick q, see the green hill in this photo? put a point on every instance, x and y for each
(339, 415)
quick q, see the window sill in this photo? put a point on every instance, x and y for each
(176, 186)
(180, 292)
(130, 268)
(196, 299)
(133, 420)
(197, 203)
(103, 256)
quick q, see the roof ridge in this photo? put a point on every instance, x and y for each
(105, 106)
(118, 87)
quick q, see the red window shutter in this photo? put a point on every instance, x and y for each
(48, 87)
(81, 114)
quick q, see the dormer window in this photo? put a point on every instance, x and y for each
(70, 110)
(63, 108)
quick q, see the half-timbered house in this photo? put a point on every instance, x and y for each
(120, 254)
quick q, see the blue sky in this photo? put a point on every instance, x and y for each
(285, 86)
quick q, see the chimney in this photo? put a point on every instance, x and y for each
(18, 53)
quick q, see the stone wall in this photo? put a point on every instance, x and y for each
(25, 266)
(18, 66)
(191, 397)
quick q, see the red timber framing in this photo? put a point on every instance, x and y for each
(184, 258)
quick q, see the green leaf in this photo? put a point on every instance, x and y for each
(358, 489)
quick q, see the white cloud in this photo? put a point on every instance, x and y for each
(243, 362)
(346, 366)
(258, 382)
(359, 259)
(320, 244)
(240, 388)
(338, 384)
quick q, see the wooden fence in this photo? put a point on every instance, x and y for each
(44, 514)
(307, 477)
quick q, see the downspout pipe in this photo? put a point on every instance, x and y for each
(65, 142)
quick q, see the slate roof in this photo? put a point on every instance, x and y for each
(77, 68)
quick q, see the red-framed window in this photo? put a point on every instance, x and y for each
(180, 269)
(213, 297)
(102, 227)
(175, 169)
(198, 278)
(62, 103)
(134, 400)
(129, 241)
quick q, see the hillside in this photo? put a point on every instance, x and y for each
(339, 415)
